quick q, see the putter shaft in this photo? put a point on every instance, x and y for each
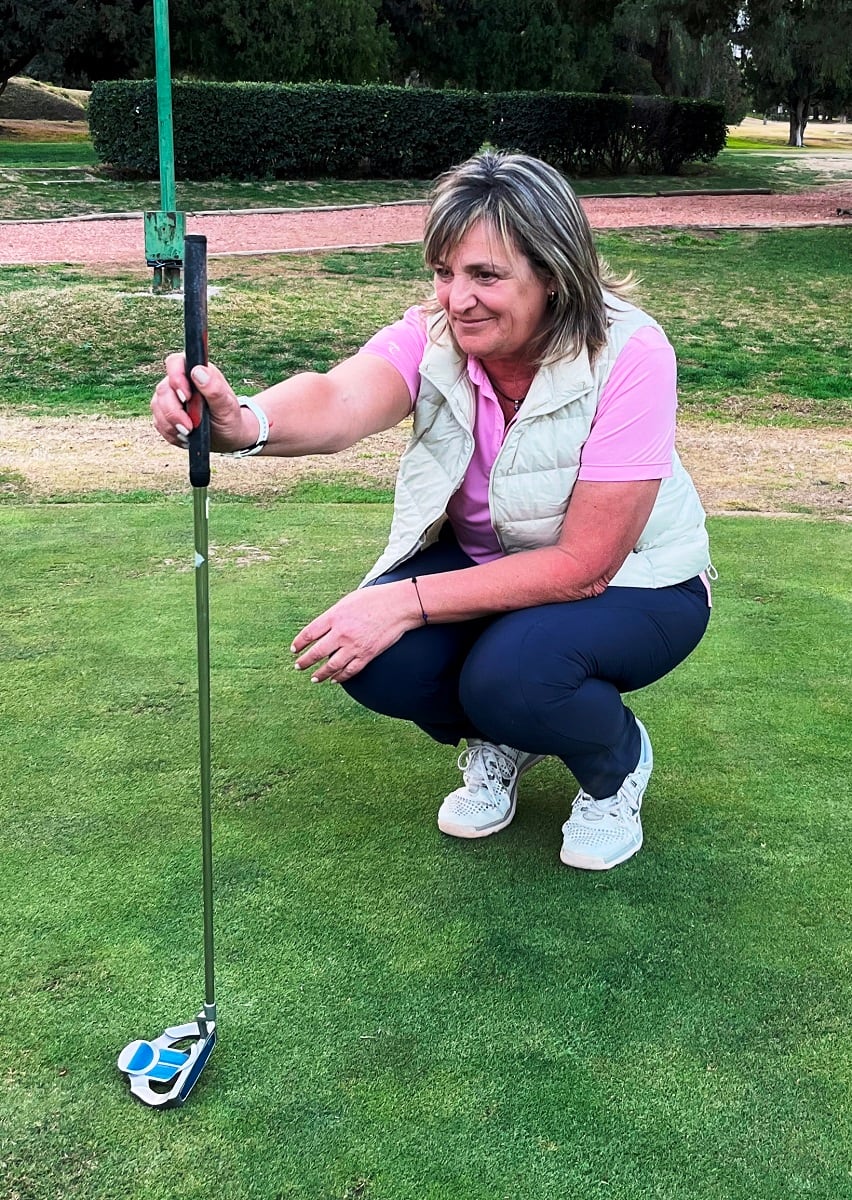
(199, 498)
(163, 1072)
(195, 347)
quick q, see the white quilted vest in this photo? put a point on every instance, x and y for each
(536, 468)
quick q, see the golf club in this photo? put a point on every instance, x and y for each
(163, 1072)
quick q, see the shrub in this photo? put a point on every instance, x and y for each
(590, 134)
(672, 132)
(298, 131)
(293, 131)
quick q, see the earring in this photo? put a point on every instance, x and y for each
(551, 296)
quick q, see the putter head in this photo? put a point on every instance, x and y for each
(164, 1071)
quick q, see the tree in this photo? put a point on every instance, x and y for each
(413, 26)
(686, 48)
(74, 40)
(280, 40)
(645, 28)
(500, 45)
(710, 71)
(23, 26)
(798, 53)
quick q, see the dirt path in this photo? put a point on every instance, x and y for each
(104, 240)
(737, 469)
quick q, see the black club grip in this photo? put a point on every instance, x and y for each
(195, 348)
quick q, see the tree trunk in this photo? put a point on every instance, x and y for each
(661, 59)
(14, 65)
(799, 108)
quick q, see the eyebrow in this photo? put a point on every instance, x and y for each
(493, 267)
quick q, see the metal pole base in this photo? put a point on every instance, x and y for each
(163, 1072)
(166, 279)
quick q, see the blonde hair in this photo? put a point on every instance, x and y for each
(531, 207)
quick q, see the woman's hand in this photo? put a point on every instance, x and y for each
(231, 427)
(356, 629)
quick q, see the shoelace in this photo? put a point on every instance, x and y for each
(483, 766)
(595, 810)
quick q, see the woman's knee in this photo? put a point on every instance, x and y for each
(416, 677)
(513, 677)
(394, 680)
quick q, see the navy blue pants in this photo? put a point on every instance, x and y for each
(547, 679)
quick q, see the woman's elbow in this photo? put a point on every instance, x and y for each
(583, 580)
(596, 587)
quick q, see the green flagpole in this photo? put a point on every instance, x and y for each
(166, 228)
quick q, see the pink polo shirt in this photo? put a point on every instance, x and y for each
(632, 433)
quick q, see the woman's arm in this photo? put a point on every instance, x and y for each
(310, 413)
(602, 524)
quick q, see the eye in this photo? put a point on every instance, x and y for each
(442, 273)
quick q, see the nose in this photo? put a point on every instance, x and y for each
(462, 296)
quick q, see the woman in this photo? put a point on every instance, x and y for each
(547, 551)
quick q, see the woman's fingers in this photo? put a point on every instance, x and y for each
(331, 650)
(343, 640)
(170, 418)
(175, 412)
(318, 628)
(338, 667)
(323, 647)
(176, 375)
(340, 662)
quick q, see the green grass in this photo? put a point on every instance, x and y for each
(732, 169)
(758, 320)
(34, 195)
(753, 317)
(761, 144)
(50, 154)
(93, 190)
(403, 1016)
(779, 146)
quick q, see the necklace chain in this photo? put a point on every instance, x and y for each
(510, 399)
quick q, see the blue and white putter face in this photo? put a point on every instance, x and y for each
(162, 1072)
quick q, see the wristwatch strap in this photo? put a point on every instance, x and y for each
(262, 434)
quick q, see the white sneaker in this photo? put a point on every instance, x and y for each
(600, 834)
(486, 802)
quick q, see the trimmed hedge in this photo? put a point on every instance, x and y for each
(305, 131)
(578, 133)
(288, 131)
(609, 134)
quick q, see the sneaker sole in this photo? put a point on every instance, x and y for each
(464, 831)
(582, 863)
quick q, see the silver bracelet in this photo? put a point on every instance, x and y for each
(262, 433)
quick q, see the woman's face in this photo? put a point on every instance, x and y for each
(494, 301)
